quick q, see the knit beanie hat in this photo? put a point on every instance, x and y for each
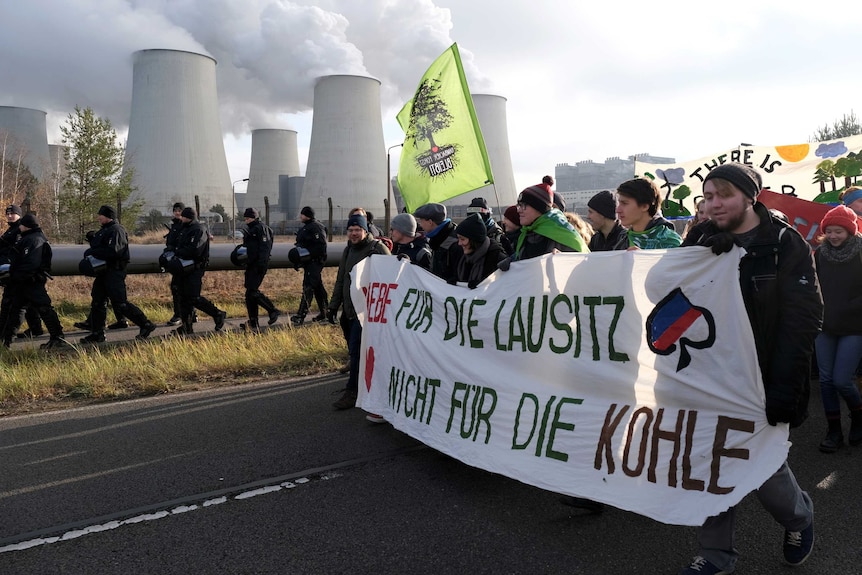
(358, 220)
(13, 209)
(604, 204)
(538, 197)
(404, 223)
(837, 216)
(511, 214)
(478, 206)
(250, 213)
(742, 176)
(559, 202)
(307, 212)
(850, 196)
(178, 206)
(434, 212)
(472, 228)
(189, 213)
(108, 212)
(29, 221)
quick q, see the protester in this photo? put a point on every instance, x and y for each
(373, 228)
(608, 233)
(407, 243)
(481, 253)
(581, 226)
(492, 228)
(258, 244)
(852, 198)
(699, 216)
(512, 226)
(782, 297)
(312, 237)
(360, 245)
(111, 244)
(637, 209)
(440, 233)
(544, 228)
(193, 246)
(29, 269)
(839, 345)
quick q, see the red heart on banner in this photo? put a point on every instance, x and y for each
(369, 367)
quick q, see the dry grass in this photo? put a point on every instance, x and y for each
(34, 380)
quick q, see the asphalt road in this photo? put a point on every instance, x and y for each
(268, 479)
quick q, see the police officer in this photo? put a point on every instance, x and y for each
(30, 265)
(193, 243)
(171, 246)
(7, 241)
(258, 243)
(312, 237)
(111, 244)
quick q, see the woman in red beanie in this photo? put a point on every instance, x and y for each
(839, 345)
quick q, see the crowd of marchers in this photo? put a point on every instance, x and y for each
(797, 299)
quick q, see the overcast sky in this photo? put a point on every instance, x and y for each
(583, 80)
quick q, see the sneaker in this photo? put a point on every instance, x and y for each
(347, 401)
(146, 330)
(582, 503)
(273, 316)
(95, 337)
(85, 325)
(174, 321)
(374, 418)
(700, 566)
(219, 320)
(319, 317)
(30, 333)
(798, 545)
(122, 324)
(56, 343)
(297, 319)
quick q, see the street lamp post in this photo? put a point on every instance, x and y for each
(233, 208)
(389, 187)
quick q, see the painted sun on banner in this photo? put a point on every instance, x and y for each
(444, 153)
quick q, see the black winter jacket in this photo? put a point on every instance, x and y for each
(110, 243)
(258, 243)
(193, 243)
(312, 236)
(782, 297)
(26, 257)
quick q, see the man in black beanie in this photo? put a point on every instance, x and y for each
(602, 213)
(111, 244)
(193, 245)
(258, 244)
(312, 237)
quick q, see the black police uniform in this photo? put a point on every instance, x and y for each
(193, 243)
(258, 243)
(312, 236)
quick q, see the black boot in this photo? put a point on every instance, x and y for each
(855, 435)
(834, 436)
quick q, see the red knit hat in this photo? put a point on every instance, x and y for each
(539, 197)
(840, 216)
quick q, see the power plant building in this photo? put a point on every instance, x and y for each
(491, 113)
(274, 159)
(175, 143)
(24, 138)
(346, 157)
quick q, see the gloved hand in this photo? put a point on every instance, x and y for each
(721, 243)
(332, 315)
(402, 256)
(503, 266)
(90, 235)
(472, 284)
(778, 411)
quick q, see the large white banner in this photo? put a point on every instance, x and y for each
(628, 378)
(816, 171)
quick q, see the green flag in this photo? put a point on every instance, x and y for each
(444, 154)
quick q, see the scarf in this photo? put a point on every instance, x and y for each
(845, 252)
(439, 227)
(475, 260)
(554, 226)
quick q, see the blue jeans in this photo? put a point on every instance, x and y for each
(837, 359)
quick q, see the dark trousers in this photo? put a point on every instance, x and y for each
(18, 296)
(313, 288)
(111, 286)
(354, 343)
(255, 298)
(191, 298)
(177, 294)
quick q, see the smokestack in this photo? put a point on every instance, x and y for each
(175, 140)
(347, 155)
(274, 155)
(491, 113)
(24, 138)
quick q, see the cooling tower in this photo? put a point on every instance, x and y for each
(346, 156)
(24, 137)
(491, 113)
(175, 140)
(274, 154)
